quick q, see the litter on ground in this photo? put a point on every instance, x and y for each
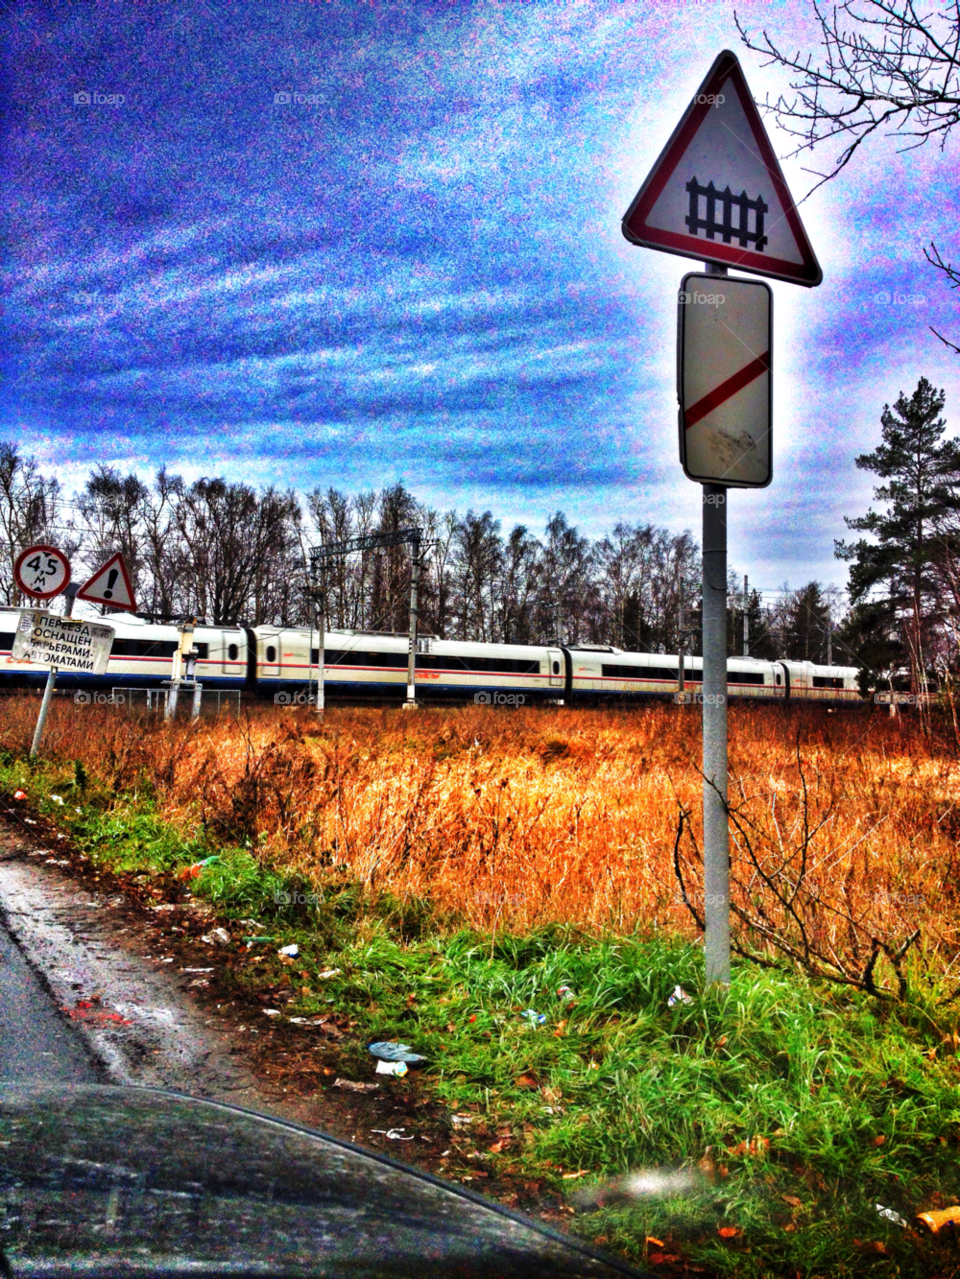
(390, 1050)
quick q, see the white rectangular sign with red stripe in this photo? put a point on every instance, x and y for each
(725, 342)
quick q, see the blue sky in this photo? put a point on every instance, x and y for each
(413, 269)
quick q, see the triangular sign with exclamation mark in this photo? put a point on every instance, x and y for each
(110, 585)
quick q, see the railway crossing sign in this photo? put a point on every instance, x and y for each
(42, 572)
(717, 192)
(111, 585)
(725, 344)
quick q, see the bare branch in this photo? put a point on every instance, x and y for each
(883, 68)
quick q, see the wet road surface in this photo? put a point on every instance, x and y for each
(77, 1005)
(36, 1041)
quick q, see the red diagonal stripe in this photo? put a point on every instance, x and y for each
(723, 392)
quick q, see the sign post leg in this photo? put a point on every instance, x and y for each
(70, 594)
(716, 853)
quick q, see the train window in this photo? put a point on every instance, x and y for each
(203, 652)
(556, 668)
(827, 681)
(6, 640)
(271, 653)
(618, 671)
(232, 652)
(359, 657)
(143, 648)
(746, 677)
(779, 679)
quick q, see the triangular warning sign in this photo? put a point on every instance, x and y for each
(110, 584)
(717, 193)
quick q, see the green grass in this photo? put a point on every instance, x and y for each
(617, 1080)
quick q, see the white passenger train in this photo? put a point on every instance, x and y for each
(281, 662)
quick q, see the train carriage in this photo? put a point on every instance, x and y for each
(283, 662)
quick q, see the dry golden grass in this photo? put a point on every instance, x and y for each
(519, 818)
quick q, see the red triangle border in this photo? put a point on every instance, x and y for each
(726, 66)
(115, 561)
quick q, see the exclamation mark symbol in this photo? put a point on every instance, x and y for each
(114, 574)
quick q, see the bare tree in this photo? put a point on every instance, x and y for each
(477, 566)
(161, 555)
(953, 279)
(888, 69)
(883, 68)
(566, 581)
(522, 572)
(233, 540)
(111, 510)
(436, 581)
(31, 508)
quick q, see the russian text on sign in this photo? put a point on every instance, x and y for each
(65, 643)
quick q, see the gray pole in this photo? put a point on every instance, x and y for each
(829, 640)
(70, 594)
(681, 673)
(746, 618)
(321, 641)
(716, 856)
(411, 701)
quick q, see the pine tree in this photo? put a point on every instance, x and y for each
(923, 486)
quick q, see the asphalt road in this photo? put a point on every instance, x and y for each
(86, 998)
(37, 1041)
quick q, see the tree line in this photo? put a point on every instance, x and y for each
(229, 554)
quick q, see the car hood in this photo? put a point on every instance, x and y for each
(102, 1181)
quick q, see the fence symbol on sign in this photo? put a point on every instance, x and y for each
(722, 137)
(741, 202)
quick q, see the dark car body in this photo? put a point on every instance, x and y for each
(111, 1181)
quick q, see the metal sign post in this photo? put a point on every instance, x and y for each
(320, 606)
(689, 205)
(716, 837)
(746, 616)
(70, 594)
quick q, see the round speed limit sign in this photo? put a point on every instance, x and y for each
(42, 572)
